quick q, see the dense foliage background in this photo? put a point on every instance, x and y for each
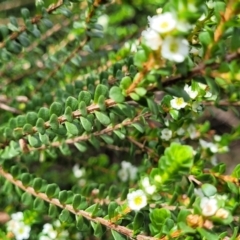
(117, 124)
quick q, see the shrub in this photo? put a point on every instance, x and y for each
(103, 127)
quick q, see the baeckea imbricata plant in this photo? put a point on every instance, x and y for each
(108, 112)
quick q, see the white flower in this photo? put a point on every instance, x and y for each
(210, 4)
(192, 7)
(163, 23)
(18, 216)
(203, 16)
(195, 51)
(21, 231)
(217, 138)
(39, 2)
(103, 20)
(175, 49)
(178, 103)
(148, 188)
(208, 94)
(183, 26)
(152, 39)
(192, 94)
(209, 206)
(77, 171)
(137, 200)
(223, 149)
(222, 213)
(192, 131)
(64, 234)
(211, 146)
(180, 131)
(12, 224)
(123, 175)
(166, 134)
(45, 238)
(126, 165)
(127, 172)
(202, 86)
(196, 106)
(48, 230)
(214, 160)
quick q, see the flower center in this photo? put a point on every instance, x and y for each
(164, 25)
(179, 101)
(174, 47)
(138, 200)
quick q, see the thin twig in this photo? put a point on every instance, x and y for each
(9, 109)
(99, 133)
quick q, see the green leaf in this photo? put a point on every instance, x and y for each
(107, 139)
(101, 90)
(63, 196)
(65, 216)
(158, 216)
(185, 228)
(68, 114)
(101, 103)
(102, 118)
(85, 97)
(206, 38)
(208, 189)
(21, 120)
(54, 123)
(44, 113)
(139, 127)
(81, 225)
(174, 114)
(125, 83)
(98, 231)
(140, 91)
(182, 215)
(81, 146)
(119, 134)
(134, 96)
(138, 222)
(34, 141)
(32, 118)
(236, 171)
(26, 179)
(40, 125)
(37, 184)
(53, 211)
(52, 190)
(177, 160)
(116, 94)
(112, 206)
(56, 108)
(94, 209)
(87, 125)
(72, 103)
(207, 235)
(140, 57)
(71, 128)
(39, 205)
(76, 201)
(83, 108)
(27, 128)
(117, 236)
(15, 171)
(27, 199)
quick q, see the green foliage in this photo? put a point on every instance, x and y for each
(104, 119)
